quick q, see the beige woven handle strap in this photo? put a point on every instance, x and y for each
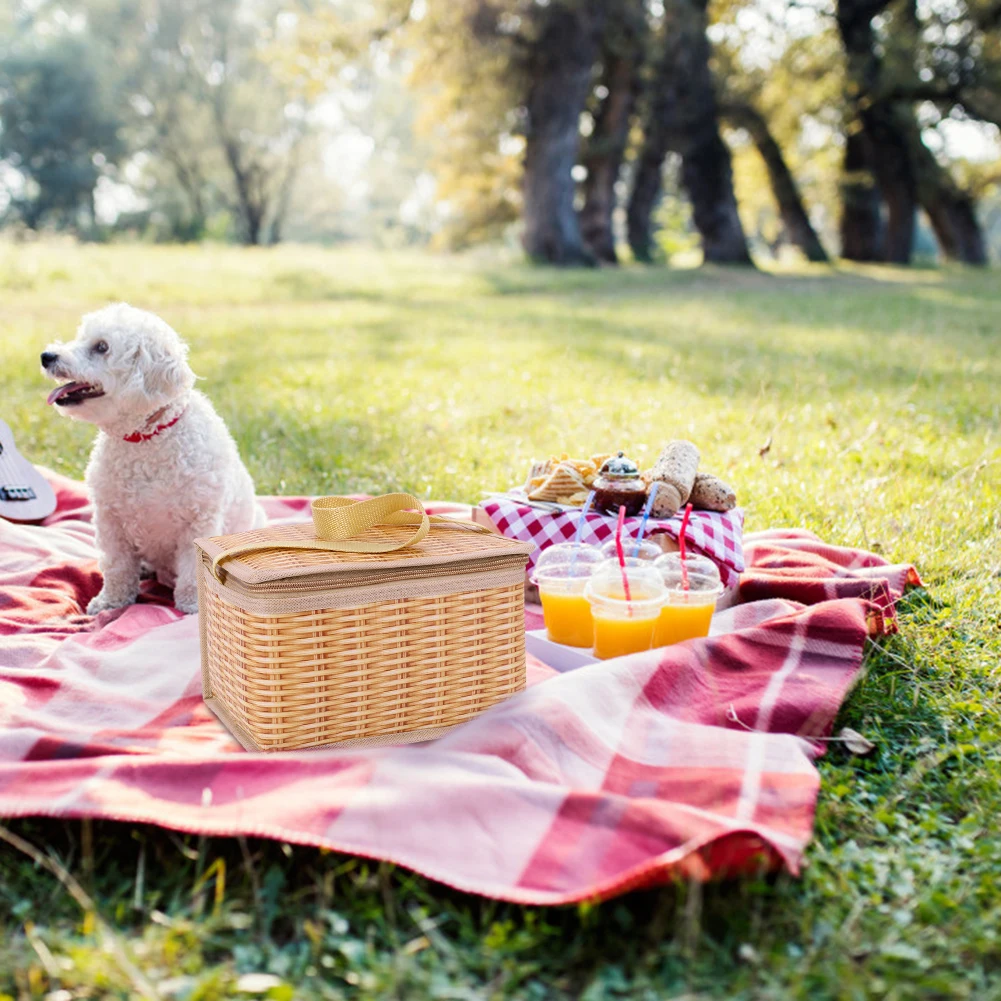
(340, 520)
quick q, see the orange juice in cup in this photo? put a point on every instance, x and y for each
(687, 612)
(567, 613)
(624, 625)
(561, 575)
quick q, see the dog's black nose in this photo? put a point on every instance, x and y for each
(49, 358)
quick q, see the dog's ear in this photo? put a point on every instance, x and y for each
(162, 364)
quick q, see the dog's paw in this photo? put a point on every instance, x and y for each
(105, 603)
(186, 602)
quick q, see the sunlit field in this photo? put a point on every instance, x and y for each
(863, 404)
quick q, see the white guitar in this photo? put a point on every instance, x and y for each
(24, 494)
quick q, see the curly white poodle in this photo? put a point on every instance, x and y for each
(164, 469)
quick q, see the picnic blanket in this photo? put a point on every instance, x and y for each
(694, 761)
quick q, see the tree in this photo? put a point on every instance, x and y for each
(886, 142)
(622, 54)
(881, 147)
(506, 76)
(222, 54)
(559, 56)
(861, 203)
(213, 101)
(749, 86)
(59, 129)
(469, 90)
(798, 229)
(682, 116)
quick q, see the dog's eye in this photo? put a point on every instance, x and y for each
(100, 348)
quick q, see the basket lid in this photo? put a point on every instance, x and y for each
(445, 545)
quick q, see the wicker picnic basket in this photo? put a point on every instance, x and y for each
(380, 625)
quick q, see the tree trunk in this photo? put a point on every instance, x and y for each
(283, 197)
(861, 221)
(906, 170)
(252, 217)
(683, 117)
(187, 167)
(894, 170)
(950, 209)
(559, 69)
(643, 201)
(191, 183)
(908, 176)
(248, 175)
(796, 222)
(956, 227)
(883, 139)
(606, 146)
(708, 179)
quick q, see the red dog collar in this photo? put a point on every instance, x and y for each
(138, 436)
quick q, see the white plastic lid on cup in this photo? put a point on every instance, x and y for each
(648, 551)
(703, 576)
(577, 561)
(607, 597)
(611, 565)
(562, 578)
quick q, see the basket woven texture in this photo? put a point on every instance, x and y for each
(305, 648)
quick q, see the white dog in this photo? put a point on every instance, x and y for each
(164, 469)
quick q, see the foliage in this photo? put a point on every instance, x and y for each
(400, 121)
(217, 111)
(59, 130)
(350, 370)
(207, 96)
(472, 91)
(797, 84)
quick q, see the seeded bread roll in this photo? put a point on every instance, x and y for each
(710, 493)
(675, 473)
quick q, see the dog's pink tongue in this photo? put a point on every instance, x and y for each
(63, 390)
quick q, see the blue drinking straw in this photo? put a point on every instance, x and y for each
(580, 531)
(646, 515)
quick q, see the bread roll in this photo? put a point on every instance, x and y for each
(710, 493)
(675, 473)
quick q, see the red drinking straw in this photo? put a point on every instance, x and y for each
(681, 547)
(621, 554)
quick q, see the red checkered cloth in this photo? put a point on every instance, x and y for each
(716, 535)
(794, 563)
(623, 774)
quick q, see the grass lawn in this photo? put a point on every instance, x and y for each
(878, 390)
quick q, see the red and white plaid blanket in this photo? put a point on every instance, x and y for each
(716, 535)
(615, 776)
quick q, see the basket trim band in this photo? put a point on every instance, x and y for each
(357, 596)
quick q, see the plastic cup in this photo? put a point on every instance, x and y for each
(687, 614)
(620, 626)
(561, 573)
(648, 551)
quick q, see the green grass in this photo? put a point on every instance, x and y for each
(337, 371)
